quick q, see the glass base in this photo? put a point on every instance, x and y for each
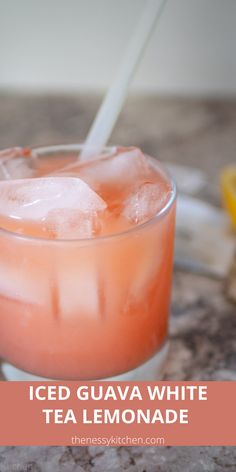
(150, 370)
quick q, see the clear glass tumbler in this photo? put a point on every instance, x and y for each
(86, 309)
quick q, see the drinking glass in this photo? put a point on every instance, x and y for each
(93, 308)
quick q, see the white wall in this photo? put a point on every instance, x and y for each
(77, 44)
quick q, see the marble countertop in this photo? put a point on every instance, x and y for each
(196, 133)
(117, 459)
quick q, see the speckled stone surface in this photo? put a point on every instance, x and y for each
(111, 459)
(197, 133)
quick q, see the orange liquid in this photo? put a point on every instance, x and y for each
(85, 311)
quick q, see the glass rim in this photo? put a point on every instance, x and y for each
(93, 240)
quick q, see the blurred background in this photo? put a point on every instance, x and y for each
(58, 58)
(76, 45)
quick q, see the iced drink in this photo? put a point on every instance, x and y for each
(86, 252)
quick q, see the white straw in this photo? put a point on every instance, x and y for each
(109, 111)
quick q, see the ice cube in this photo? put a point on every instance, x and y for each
(73, 224)
(129, 283)
(150, 254)
(120, 170)
(145, 202)
(78, 286)
(20, 283)
(16, 163)
(58, 203)
(16, 169)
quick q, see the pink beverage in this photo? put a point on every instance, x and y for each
(86, 260)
